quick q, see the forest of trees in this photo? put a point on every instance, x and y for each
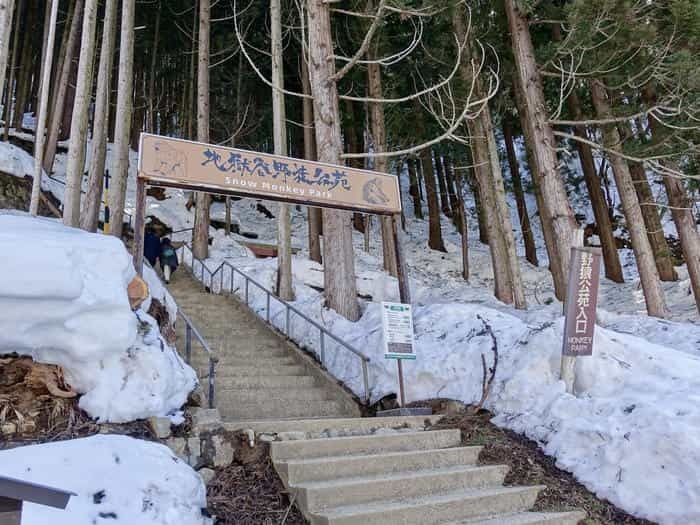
(446, 89)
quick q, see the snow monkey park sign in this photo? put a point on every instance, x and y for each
(204, 167)
(581, 301)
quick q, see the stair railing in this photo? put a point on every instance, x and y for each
(208, 277)
(190, 330)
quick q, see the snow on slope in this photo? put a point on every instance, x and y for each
(632, 432)
(116, 479)
(64, 302)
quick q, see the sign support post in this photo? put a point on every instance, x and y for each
(139, 225)
(404, 295)
(579, 308)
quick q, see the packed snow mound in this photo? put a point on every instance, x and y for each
(63, 294)
(116, 479)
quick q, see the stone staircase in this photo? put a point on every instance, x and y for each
(343, 469)
(403, 476)
(259, 374)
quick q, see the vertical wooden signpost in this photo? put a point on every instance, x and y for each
(580, 310)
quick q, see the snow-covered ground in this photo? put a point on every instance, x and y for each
(115, 479)
(64, 301)
(629, 433)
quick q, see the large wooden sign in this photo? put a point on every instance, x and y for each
(581, 301)
(173, 162)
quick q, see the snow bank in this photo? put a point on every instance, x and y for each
(632, 433)
(117, 480)
(64, 302)
(15, 161)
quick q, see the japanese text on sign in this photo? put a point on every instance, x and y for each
(168, 161)
(397, 325)
(581, 302)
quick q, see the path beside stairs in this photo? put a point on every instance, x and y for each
(259, 374)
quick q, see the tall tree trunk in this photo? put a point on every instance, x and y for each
(67, 115)
(528, 237)
(611, 259)
(200, 233)
(648, 274)
(381, 164)
(354, 141)
(339, 274)
(506, 268)
(152, 75)
(40, 135)
(7, 8)
(59, 94)
(451, 191)
(442, 186)
(503, 288)
(462, 222)
(554, 206)
(413, 188)
(13, 67)
(652, 222)
(122, 124)
(435, 241)
(24, 81)
(681, 208)
(314, 214)
(285, 289)
(79, 124)
(100, 130)
(473, 183)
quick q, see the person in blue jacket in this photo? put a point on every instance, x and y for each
(168, 259)
(151, 246)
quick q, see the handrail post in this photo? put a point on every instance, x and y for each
(323, 347)
(212, 372)
(267, 309)
(246, 290)
(188, 344)
(287, 321)
(365, 377)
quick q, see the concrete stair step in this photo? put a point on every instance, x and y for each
(317, 495)
(277, 408)
(252, 395)
(295, 472)
(363, 445)
(264, 381)
(252, 370)
(434, 509)
(231, 359)
(530, 518)
(359, 425)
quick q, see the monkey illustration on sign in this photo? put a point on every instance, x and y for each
(372, 193)
(168, 161)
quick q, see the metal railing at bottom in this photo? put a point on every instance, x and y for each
(190, 330)
(209, 276)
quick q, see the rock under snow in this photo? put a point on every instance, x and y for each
(63, 294)
(116, 479)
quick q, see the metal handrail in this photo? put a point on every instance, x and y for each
(323, 331)
(83, 192)
(190, 329)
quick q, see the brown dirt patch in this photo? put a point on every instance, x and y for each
(251, 494)
(530, 466)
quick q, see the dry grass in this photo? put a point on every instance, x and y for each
(530, 466)
(251, 495)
